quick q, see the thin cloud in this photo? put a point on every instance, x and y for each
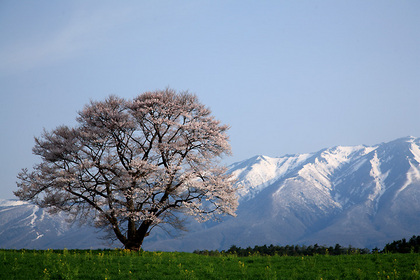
(85, 31)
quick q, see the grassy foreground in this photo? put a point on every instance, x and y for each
(122, 264)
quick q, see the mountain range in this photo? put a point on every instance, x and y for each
(363, 196)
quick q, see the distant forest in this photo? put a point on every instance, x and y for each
(400, 246)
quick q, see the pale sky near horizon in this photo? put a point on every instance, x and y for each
(288, 76)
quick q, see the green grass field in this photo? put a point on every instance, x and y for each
(122, 264)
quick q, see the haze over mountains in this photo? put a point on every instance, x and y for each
(354, 195)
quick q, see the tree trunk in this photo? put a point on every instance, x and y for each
(133, 245)
(135, 242)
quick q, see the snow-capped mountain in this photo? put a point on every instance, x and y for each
(24, 225)
(360, 196)
(356, 195)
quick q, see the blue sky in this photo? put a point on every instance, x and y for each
(288, 76)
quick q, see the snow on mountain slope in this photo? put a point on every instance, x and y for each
(327, 163)
(413, 174)
(24, 225)
(9, 202)
(256, 173)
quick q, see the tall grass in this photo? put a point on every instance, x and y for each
(123, 264)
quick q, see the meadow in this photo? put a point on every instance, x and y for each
(124, 264)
